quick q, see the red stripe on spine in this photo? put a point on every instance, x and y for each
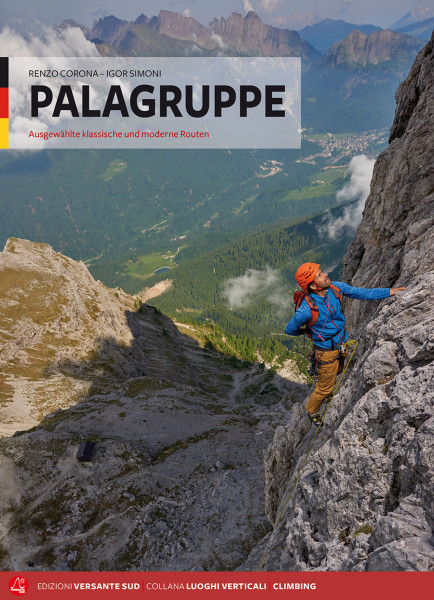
(4, 103)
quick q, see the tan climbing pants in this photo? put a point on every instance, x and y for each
(330, 364)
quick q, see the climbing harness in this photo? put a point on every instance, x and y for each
(315, 361)
(350, 343)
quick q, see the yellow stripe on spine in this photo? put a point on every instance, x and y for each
(4, 133)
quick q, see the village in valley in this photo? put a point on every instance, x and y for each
(336, 148)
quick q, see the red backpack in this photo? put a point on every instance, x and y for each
(302, 295)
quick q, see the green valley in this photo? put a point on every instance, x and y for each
(198, 291)
(110, 208)
(145, 266)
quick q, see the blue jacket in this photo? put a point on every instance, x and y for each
(329, 330)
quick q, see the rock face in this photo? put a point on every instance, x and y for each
(358, 49)
(52, 316)
(364, 498)
(323, 34)
(179, 429)
(109, 29)
(250, 35)
(178, 26)
(247, 35)
(394, 243)
(359, 67)
(244, 36)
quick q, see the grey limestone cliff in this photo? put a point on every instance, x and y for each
(364, 500)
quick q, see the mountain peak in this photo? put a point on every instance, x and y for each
(418, 14)
(237, 35)
(109, 28)
(356, 34)
(325, 33)
(358, 49)
(250, 35)
(252, 15)
(349, 50)
(142, 18)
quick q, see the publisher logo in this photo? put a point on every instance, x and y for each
(18, 585)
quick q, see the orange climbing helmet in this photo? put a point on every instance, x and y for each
(306, 274)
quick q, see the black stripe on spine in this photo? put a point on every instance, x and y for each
(4, 72)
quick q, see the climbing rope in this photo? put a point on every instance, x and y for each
(335, 391)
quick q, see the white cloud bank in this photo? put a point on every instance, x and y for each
(45, 41)
(361, 168)
(241, 291)
(218, 40)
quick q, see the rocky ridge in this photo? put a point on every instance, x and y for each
(180, 427)
(364, 499)
(249, 34)
(414, 16)
(359, 50)
(53, 313)
(237, 35)
(323, 34)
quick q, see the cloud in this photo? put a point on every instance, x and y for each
(361, 168)
(248, 6)
(270, 5)
(241, 291)
(45, 41)
(218, 40)
(194, 48)
(296, 20)
(187, 12)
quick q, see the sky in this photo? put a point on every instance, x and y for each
(280, 13)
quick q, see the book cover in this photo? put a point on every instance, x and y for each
(163, 176)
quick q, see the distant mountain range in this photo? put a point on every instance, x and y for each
(324, 34)
(421, 29)
(349, 89)
(415, 16)
(235, 36)
(171, 34)
(354, 83)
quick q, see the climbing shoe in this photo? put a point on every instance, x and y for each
(315, 419)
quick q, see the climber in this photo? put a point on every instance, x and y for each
(318, 307)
